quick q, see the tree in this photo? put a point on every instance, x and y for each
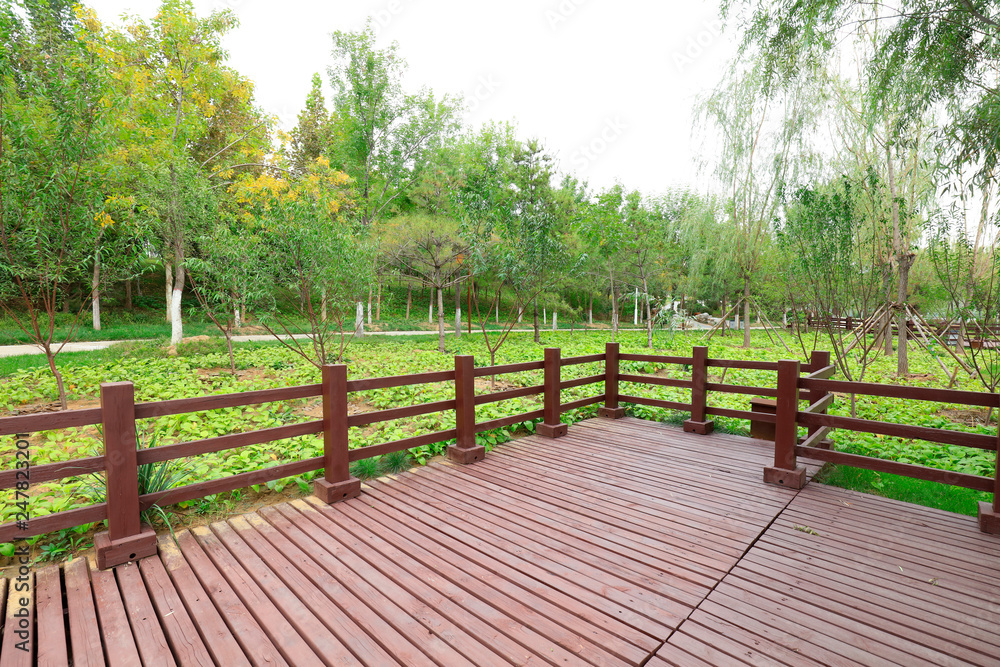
(388, 136)
(432, 249)
(55, 109)
(508, 222)
(229, 279)
(190, 120)
(312, 136)
(763, 148)
(316, 255)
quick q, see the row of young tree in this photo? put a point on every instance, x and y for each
(137, 148)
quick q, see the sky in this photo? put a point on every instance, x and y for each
(608, 86)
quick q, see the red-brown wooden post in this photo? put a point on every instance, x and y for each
(551, 427)
(989, 514)
(699, 395)
(126, 538)
(819, 359)
(465, 449)
(785, 471)
(337, 483)
(611, 409)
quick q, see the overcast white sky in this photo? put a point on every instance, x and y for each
(607, 85)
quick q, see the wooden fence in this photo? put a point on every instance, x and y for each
(126, 539)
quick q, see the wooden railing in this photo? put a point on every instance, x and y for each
(126, 539)
(789, 417)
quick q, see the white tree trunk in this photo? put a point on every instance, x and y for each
(545, 315)
(359, 321)
(95, 296)
(237, 319)
(176, 324)
(555, 318)
(169, 281)
(430, 309)
(635, 314)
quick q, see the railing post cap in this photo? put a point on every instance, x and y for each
(113, 385)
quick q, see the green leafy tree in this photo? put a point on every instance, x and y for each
(55, 111)
(190, 120)
(386, 137)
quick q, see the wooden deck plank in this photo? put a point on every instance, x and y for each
(643, 503)
(284, 632)
(146, 628)
(655, 590)
(388, 614)
(669, 578)
(402, 586)
(570, 614)
(562, 590)
(651, 531)
(536, 633)
(84, 630)
(183, 637)
(324, 640)
(119, 645)
(52, 645)
(857, 587)
(207, 595)
(20, 643)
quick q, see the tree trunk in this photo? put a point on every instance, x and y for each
(440, 291)
(169, 281)
(746, 312)
(359, 321)
(590, 310)
(649, 314)
(176, 321)
(60, 385)
(232, 357)
(537, 339)
(555, 319)
(430, 308)
(458, 309)
(128, 295)
(902, 360)
(369, 306)
(378, 304)
(725, 319)
(409, 299)
(635, 309)
(903, 261)
(95, 292)
(238, 318)
(545, 316)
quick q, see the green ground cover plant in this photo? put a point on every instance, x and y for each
(202, 368)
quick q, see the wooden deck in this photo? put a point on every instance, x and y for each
(625, 542)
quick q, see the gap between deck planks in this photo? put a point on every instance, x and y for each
(593, 548)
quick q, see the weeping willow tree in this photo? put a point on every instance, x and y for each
(763, 146)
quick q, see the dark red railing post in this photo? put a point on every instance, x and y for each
(465, 449)
(551, 427)
(337, 483)
(785, 471)
(699, 394)
(819, 359)
(611, 410)
(989, 513)
(126, 538)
